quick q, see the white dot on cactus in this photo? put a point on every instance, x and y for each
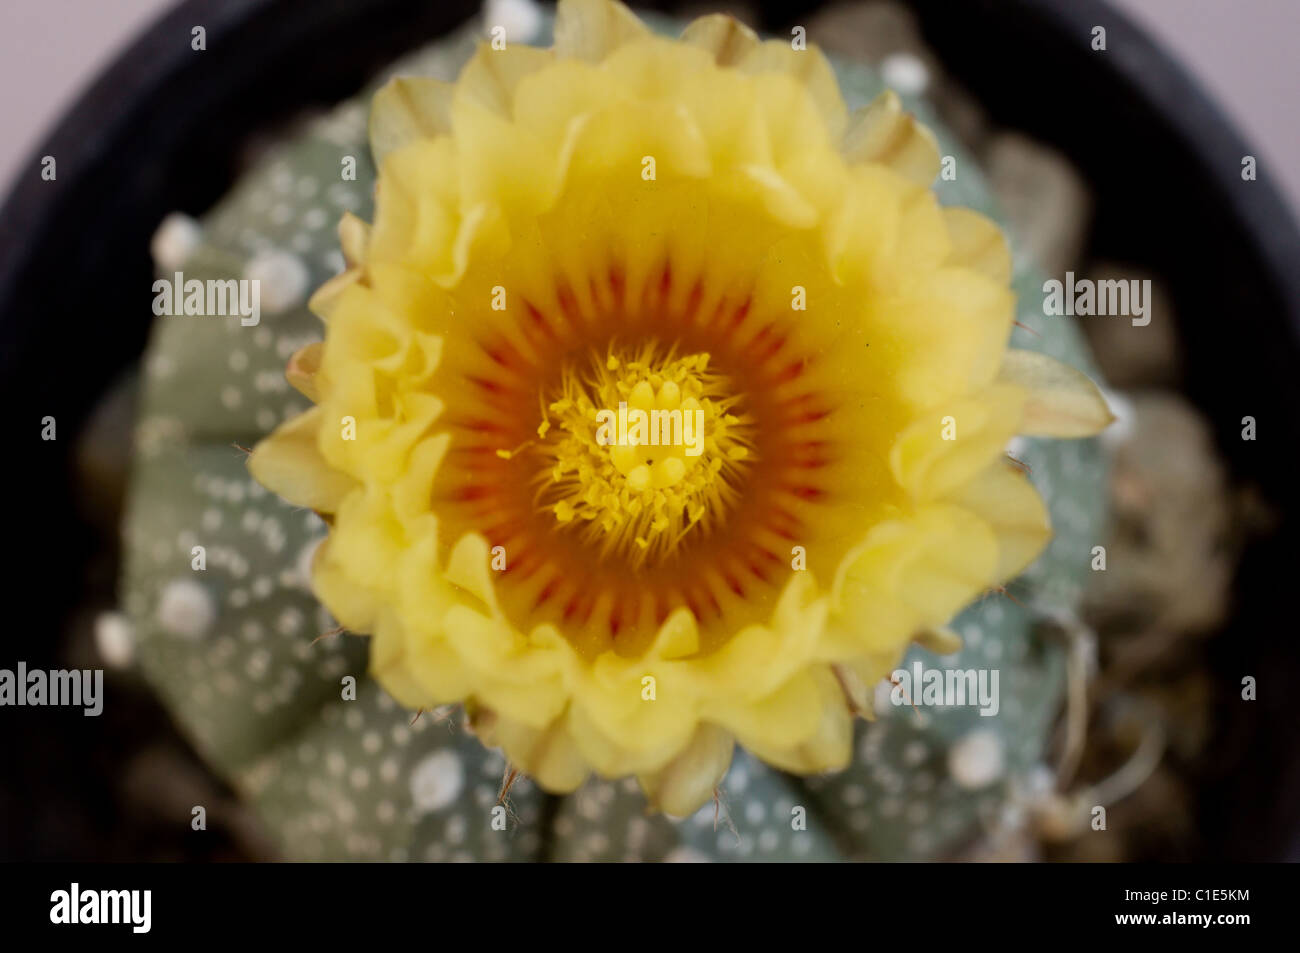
(342, 196)
(258, 664)
(455, 830)
(590, 809)
(345, 811)
(282, 277)
(436, 781)
(186, 609)
(281, 178)
(755, 812)
(914, 752)
(174, 241)
(685, 854)
(905, 73)
(638, 830)
(1038, 782)
(521, 18)
(977, 760)
(853, 795)
(289, 621)
(161, 366)
(115, 639)
(768, 841)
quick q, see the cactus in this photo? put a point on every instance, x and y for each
(334, 767)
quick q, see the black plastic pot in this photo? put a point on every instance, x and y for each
(162, 128)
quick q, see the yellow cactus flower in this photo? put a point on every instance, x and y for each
(633, 225)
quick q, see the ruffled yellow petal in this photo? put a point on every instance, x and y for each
(882, 132)
(409, 108)
(1003, 497)
(302, 370)
(592, 29)
(548, 754)
(812, 71)
(947, 448)
(491, 76)
(729, 40)
(691, 778)
(1062, 402)
(978, 243)
(290, 463)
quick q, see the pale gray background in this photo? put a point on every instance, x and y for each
(1243, 51)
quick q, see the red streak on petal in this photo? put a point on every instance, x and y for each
(808, 493)
(740, 314)
(547, 591)
(791, 371)
(540, 323)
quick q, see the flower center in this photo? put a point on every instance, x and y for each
(643, 448)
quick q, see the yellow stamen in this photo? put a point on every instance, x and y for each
(645, 448)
